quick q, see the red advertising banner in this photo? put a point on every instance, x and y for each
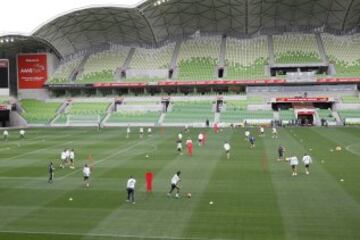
(338, 80)
(32, 70)
(301, 100)
(106, 85)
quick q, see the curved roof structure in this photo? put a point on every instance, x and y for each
(155, 21)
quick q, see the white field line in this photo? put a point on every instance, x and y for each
(105, 158)
(38, 150)
(120, 236)
(349, 148)
(11, 144)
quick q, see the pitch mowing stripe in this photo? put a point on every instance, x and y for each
(161, 222)
(318, 213)
(120, 236)
(19, 220)
(30, 211)
(244, 201)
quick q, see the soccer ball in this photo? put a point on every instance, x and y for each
(188, 195)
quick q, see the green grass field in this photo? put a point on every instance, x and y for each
(254, 195)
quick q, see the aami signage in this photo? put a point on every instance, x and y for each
(32, 70)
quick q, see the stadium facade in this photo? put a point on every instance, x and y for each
(299, 56)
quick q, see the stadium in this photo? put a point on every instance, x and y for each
(226, 119)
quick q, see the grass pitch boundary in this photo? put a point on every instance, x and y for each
(119, 236)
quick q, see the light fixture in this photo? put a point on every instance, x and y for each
(6, 40)
(11, 39)
(1, 40)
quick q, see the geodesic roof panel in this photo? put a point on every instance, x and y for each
(154, 21)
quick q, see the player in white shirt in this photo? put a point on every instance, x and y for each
(72, 158)
(175, 180)
(22, 133)
(128, 132)
(200, 138)
(262, 131)
(274, 133)
(293, 163)
(63, 159)
(227, 148)
(179, 147)
(141, 130)
(307, 160)
(247, 135)
(149, 132)
(86, 174)
(6, 135)
(180, 136)
(130, 188)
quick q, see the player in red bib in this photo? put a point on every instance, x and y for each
(149, 178)
(189, 145)
(216, 128)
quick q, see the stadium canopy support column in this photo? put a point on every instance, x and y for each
(195, 90)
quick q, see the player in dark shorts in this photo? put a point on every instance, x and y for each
(252, 141)
(51, 170)
(281, 153)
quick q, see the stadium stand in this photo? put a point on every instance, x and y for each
(290, 48)
(134, 117)
(38, 112)
(198, 57)
(147, 60)
(190, 112)
(101, 67)
(350, 99)
(246, 58)
(287, 115)
(344, 114)
(326, 114)
(238, 115)
(83, 112)
(65, 69)
(344, 53)
(136, 112)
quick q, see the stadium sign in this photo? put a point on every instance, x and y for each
(302, 100)
(32, 71)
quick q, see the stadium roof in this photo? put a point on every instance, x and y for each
(154, 21)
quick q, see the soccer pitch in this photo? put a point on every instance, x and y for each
(254, 196)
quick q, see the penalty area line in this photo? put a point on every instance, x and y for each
(110, 235)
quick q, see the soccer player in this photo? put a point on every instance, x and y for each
(180, 136)
(130, 188)
(22, 133)
(63, 159)
(128, 131)
(201, 139)
(141, 132)
(149, 179)
(216, 128)
(86, 174)
(274, 133)
(262, 131)
(51, 170)
(307, 160)
(67, 156)
(227, 148)
(72, 158)
(175, 180)
(189, 145)
(252, 141)
(281, 153)
(149, 132)
(179, 147)
(247, 135)
(293, 163)
(6, 135)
